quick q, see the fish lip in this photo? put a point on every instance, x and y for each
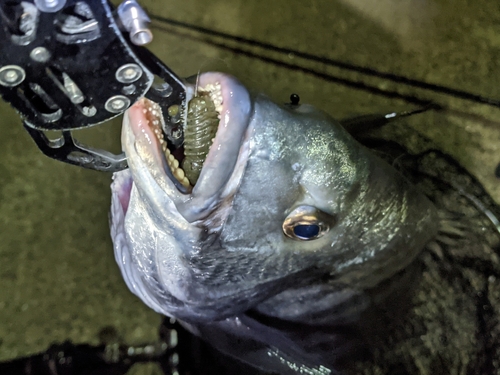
(221, 159)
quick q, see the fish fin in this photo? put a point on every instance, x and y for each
(467, 213)
(456, 302)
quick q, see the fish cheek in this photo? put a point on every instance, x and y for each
(259, 207)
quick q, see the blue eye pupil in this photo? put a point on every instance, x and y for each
(306, 231)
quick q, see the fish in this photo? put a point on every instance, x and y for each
(300, 245)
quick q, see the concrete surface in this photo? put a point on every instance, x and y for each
(58, 279)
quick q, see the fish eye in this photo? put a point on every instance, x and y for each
(307, 223)
(306, 231)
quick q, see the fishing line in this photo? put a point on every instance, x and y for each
(400, 79)
(325, 76)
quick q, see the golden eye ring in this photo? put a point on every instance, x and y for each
(306, 223)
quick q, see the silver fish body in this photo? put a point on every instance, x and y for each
(218, 256)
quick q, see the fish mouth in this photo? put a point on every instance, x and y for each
(147, 149)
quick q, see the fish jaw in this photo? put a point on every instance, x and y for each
(156, 224)
(145, 154)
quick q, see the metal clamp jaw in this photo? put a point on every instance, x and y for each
(73, 64)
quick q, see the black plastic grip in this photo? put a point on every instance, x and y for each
(69, 69)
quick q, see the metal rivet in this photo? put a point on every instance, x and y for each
(135, 21)
(72, 90)
(11, 75)
(89, 111)
(128, 73)
(177, 133)
(163, 89)
(128, 90)
(117, 104)
(50, 6)
(142, 36)
(40, 54)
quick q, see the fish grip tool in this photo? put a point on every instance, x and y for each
(74, 64)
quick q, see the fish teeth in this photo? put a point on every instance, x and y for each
(153, 113)
(214, 90)
(179, 174)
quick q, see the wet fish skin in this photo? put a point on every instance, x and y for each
(304, 158)
(214, 273)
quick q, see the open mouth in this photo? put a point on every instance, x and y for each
(186, 162)
(218, 116)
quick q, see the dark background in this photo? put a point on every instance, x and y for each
(58, 279)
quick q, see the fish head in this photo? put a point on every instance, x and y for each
(289, 212)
